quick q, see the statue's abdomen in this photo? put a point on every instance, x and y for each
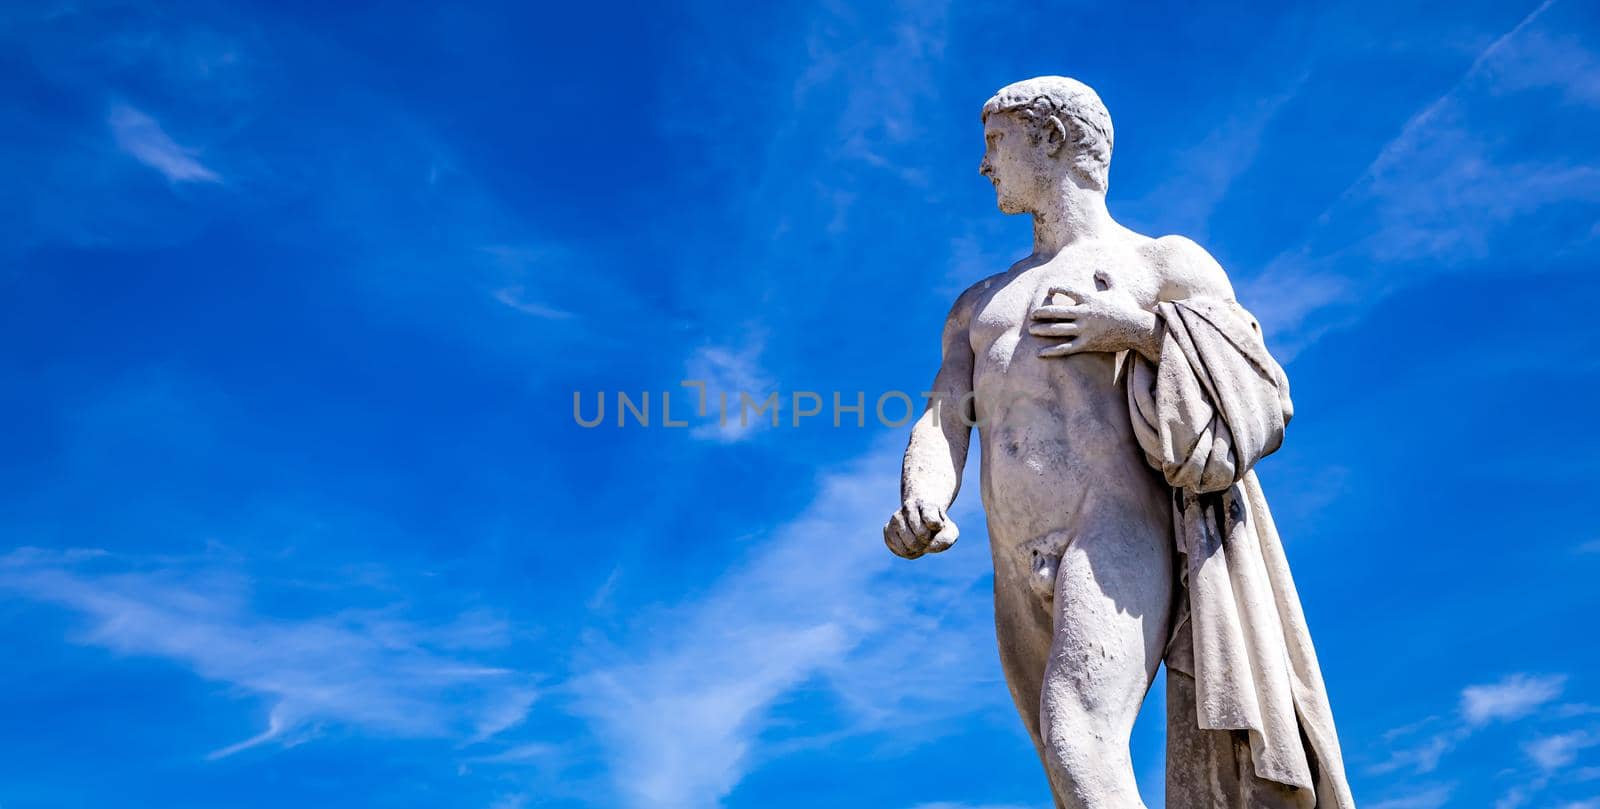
(1059, 453)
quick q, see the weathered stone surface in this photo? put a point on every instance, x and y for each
(1122, 398)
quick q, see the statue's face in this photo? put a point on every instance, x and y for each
(1016, 165)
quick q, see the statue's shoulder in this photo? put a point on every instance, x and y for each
(967, 302)
(1185, 268)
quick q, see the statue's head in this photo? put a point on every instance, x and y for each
(1041, 133)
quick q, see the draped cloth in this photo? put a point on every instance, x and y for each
(1259, 731)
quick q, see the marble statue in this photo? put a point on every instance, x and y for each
(1122, 397)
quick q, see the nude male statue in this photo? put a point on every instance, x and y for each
(1088, 579)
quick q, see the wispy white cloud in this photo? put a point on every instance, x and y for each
(730, 371)
(1440, 193)
(1552, 756)
(1512, 698)
(1429, 798)
(1418, 748)
(1513, 798)
(693, 716)
(820, 605)
(520, 262)
(532, 751)
(888, 75)
(513, 297)
(693, 687)
(1560, 750)
(1420, 759)
(1203, 171)
(814, 605)
(1409, 728)
(374, 193)
(512, 801)
(143, 138)
(365, 669)
(852, 111)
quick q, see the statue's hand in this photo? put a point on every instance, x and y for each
(1107, 320)
(919, 527)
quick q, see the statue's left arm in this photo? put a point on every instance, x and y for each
(1208, 401)
(1209, 405)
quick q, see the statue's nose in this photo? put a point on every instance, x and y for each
(983, 166)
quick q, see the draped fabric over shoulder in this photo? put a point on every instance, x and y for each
(1211, 406)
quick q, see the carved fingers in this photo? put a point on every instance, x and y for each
(917, 528)
(1066, 332)
(897, 535)
(1106, 320)
(1059, 321)
(1064, 349)
(1061, 329)
(1055, 291)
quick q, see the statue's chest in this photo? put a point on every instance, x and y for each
(1007, 309)
(1001, 322)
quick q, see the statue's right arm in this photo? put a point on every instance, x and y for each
(931, 474)
(939, 440)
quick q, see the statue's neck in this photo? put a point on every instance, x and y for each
(1073, 214)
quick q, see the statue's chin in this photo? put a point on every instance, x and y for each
(1009, 207)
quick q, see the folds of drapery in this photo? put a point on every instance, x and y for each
(1211, 405)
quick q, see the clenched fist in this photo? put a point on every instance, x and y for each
(919, 527)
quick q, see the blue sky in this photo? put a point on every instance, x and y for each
(297, 298)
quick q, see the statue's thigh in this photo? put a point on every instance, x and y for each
(1023, 624)
(1113, 606)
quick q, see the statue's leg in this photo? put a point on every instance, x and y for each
(1112, 609)
(1202, 770)
(1213, 769)
(1022, 623)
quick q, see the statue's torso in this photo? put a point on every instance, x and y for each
(1059, 454)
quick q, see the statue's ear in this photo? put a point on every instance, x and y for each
(1056, 135)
